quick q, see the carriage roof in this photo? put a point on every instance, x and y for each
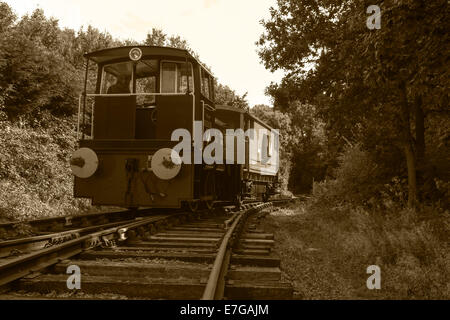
(247, 114)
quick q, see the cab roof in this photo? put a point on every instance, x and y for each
(111, 54)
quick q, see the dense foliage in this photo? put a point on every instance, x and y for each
(385, 88)
(369, 111)
(35, 178)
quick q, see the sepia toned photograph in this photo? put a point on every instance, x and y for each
(247, 151)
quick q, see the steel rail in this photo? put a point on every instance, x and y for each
(66, 220)
(230, 220)
(39, 242)
(215, 287)
(16, 268)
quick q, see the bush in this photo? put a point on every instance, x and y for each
(35, 178)
(355, 179)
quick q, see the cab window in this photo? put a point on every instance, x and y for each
(176, 77)
(206, 84)
(116, 78)
(146, 74)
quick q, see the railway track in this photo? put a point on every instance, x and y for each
(45, 226)
(170, 256)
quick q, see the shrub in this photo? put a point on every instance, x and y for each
(35, 178)
(355, 179)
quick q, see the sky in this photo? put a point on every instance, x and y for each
(222, 32)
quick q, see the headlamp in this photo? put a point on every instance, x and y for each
(135, 54)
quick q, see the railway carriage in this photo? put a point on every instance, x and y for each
(140, 96)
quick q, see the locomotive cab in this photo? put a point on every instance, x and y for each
(133, 97)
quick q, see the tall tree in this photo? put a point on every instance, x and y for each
(224, 95)
(363, 80)
(159, 38)
(7, 17)
(156, 38)
(34, 75)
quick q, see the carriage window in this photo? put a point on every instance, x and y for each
(175, 77)
(267, 144)
(116, 78)
(146, 75)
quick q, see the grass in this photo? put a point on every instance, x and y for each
(325, 252)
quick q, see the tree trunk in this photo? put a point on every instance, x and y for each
(420, 131)
(412, 180)
(421, 162)
(408, 147)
